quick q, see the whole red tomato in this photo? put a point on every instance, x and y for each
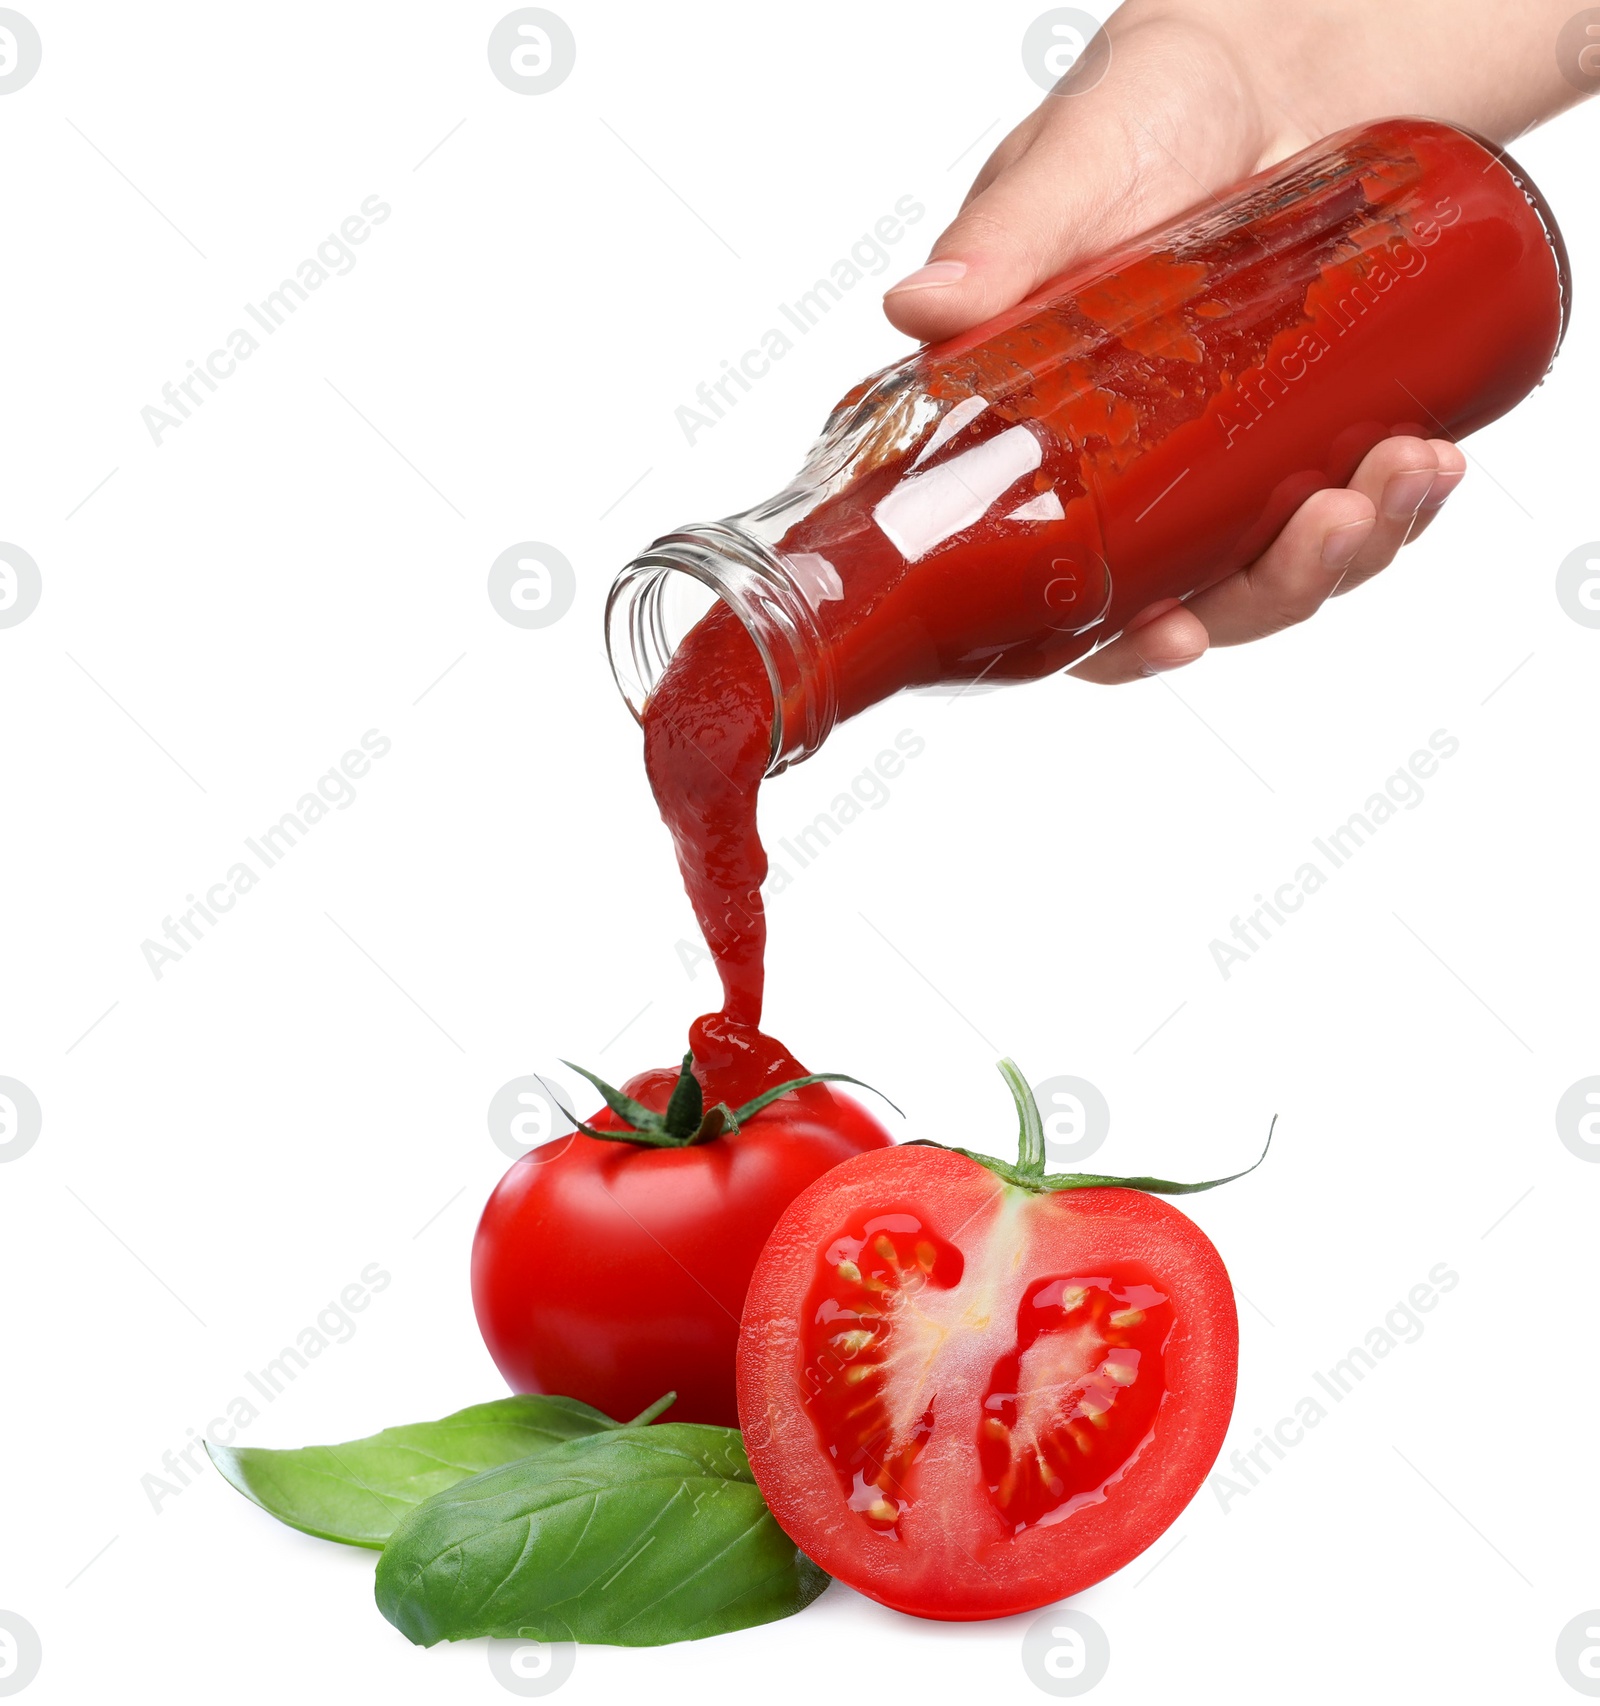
(968, 1389)
(613, 1268)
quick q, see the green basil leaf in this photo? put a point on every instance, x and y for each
(357, 1492)
(635, 1537)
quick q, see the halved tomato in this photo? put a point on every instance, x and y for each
(970, 1390)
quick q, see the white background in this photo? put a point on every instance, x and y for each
(230, 611)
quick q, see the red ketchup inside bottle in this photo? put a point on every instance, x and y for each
(1000, 505)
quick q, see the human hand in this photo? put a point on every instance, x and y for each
(1197, 95)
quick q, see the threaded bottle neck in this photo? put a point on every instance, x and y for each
(665, 590)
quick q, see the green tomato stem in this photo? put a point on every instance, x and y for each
(1030, 1137)
(687, 1104)
(1028, 1173)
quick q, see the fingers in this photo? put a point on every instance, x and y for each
(1285, 585)
(1408, 480)
(1161, 637)
(1065, 184)
(1169, 122)
(1336, 540)
(1293, 577)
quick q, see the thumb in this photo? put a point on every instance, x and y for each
(1083, 173)
(1060, 197)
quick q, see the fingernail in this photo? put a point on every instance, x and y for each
(1151, 613)
(1340, 546)
(930, 276)
(1406, 493)
(1444, 483)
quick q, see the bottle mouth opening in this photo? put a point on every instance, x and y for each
(665, 591)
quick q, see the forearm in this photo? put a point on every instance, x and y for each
(1489, 65)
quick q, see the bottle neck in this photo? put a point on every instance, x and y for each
(660, 595)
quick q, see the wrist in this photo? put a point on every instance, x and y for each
(1489, 66)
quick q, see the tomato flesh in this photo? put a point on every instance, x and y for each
(863, 1380)
(1066, 1407)
(967, 1399)
(1077, 1399)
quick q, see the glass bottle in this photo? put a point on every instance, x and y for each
(996, 506)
